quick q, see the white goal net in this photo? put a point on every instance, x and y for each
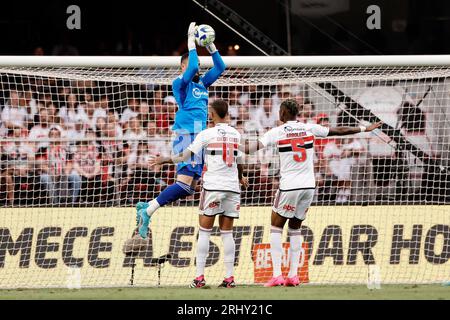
(76, 137)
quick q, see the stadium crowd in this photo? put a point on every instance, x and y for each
(83, 145)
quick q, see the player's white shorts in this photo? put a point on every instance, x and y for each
(220, 202)
(294, 203)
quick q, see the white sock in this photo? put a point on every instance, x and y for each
(152, 207)
(228, 251)
(294, 250)
(276, 249)
(202, 250)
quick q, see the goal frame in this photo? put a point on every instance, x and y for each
(352, 221)
(230, 61)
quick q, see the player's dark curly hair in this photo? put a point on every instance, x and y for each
(291, 106)
(220, 107)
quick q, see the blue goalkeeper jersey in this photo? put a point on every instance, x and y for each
(192, 97)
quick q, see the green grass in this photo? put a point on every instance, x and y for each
(434, 292)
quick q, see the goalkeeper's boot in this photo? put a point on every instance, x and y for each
(228, 283)
(275, 281)
(140, 206)
(198, 282)
(292, 282)
(144, 221)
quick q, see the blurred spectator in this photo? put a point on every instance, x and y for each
(307, 112)
(87, 166)
(300, 99)
(92, 137)
(13, 115)
(53, 118)
(41, 129)
(6, 178)
(69, 113)
(88, 115)
(285, 92)
(38, 51)
(112, 149)
(31, 105)
(166, 117)
(157, 143)
(143, 183)
(62, 185)
(131, 111)
(113, 119)
(64, 92)
(145, 114)
(77, 132)
(20, 158)
(319, 143)
(157, 101)
(107, 176)
(263, 116)
(101, 127)
(134, 133)
(341, 155)
(101, 109)
(234, 105)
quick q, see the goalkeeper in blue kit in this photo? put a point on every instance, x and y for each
(191, 93)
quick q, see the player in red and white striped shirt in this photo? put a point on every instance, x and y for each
(295, 143)
(221, 189)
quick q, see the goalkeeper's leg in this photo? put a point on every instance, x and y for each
(183, 187)
(187, 176)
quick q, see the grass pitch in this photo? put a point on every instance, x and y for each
(401, 292)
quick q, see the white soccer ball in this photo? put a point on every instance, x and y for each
(204, 35)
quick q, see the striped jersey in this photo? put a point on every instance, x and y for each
(295, 143)
(221, 144)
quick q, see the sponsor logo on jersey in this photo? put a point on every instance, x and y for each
(198, 93)
(222, 132)
(288, 207)
(290, 129)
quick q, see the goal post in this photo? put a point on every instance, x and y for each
(76, 134)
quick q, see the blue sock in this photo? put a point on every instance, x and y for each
(174, 192)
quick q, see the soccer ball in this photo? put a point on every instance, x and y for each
(204, 35)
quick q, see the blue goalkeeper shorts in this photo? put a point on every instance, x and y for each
(180, 143)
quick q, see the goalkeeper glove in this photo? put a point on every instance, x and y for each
(191, 36)
(211, 48)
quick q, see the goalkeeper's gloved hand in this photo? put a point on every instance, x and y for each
(191, 36)
(211, 48)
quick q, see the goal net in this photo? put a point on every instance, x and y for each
(76, 135)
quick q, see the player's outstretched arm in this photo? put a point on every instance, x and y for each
(176, 158)
(192, 67)
(342, 131)
(249, 147)
(194, 148)
(219, 66)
